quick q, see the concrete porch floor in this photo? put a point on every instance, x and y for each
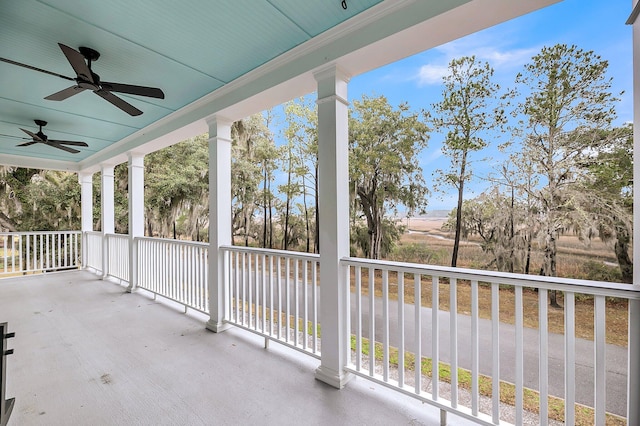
(88, 353)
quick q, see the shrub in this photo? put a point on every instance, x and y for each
(418, 253)
(598, 271)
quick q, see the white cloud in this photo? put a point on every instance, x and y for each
(431, 74)
(505, 59)
(492, 47)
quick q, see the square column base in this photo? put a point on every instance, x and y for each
(337, 379)
(217, 327)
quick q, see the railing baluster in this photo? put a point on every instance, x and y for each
(600, 368)
(314, 297)
(417, 306)
(28, 254)
(47, 244)
(385, 325)
(41, 252)
(570, 358)
(244, 288)
(543, 330)
(251, 283)
(435, 338)
(358, 314)
(287, 305)
(495, 352)
(57, 237)
(475, 349)
(20, 252)
(453, 331)
(372, 323)
(296, 316)
(264, 293)
(279, 284)
(271, 295)
(305, 310)
(401, 328)
(519, 356)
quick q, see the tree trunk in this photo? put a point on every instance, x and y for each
(306, 213)
(527, 264)
(264, 210)
(622, 253)
(285, 239)
(549, 265)
(456, 241)
(512, 233)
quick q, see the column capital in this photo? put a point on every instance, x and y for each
(135, 159)
(332, 71)
(216, 120)
(107, 169)
(85, 177)
(219, 128)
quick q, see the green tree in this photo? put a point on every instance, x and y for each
(302, 121)
(384, 169)
(466, 113)
(177, 184)
(245, 173)
(566, 98)
(492, 216)
(609, 185)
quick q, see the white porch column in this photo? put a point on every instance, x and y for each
(107, 213)
(333, 189)
(219, 217)
(86, 211)
(633, 391)
(136, 213)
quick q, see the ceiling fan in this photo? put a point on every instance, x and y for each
(42, 138)
(87, 79)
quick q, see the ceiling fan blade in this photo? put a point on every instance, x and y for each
(150, 92)
(74, 143)
(35, 137)
(123, 105)
(9, 61)
(27, 143)
(13, 137)
(62, 147)
(65, 93)
(76, 60)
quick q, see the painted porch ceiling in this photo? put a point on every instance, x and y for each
(206, 55)
(186, 48)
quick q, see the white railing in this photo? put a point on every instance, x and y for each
(28, 252)
(93, 242)
(118, 246)
(176, 270)
(275, 294)
(395, 323)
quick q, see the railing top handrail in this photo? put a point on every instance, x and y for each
(40, 232)
(117, 236)
(172, 241)
(603, 288)
(273, 252)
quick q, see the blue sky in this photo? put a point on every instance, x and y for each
(596, 25)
